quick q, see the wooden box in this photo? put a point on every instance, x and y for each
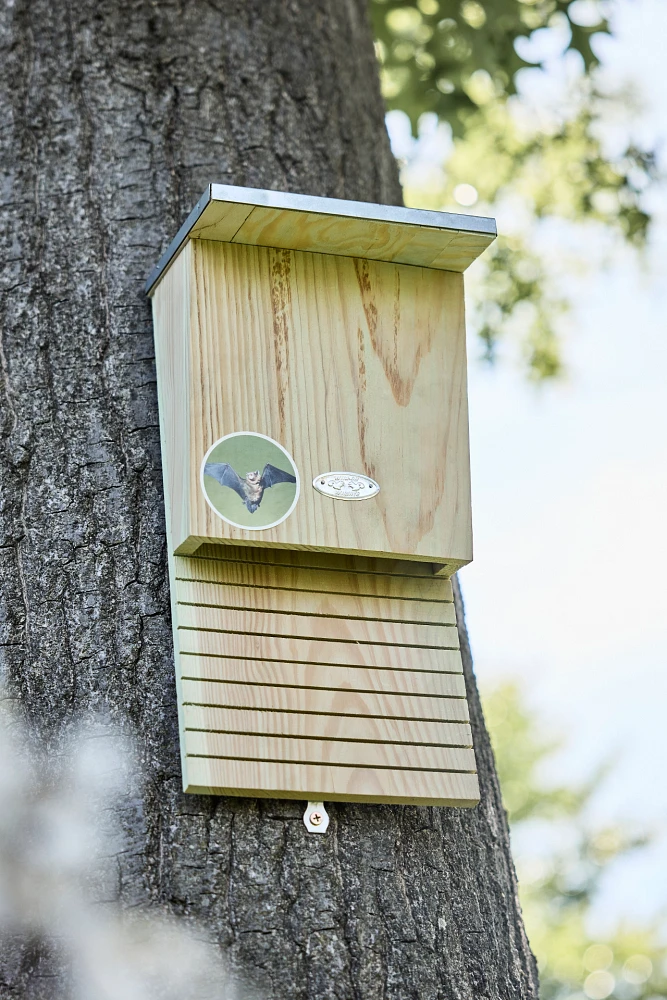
(309, 350)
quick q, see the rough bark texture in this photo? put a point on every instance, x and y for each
(113, 118)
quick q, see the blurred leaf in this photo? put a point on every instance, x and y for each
(430, 50)
(563, 174)
(558, 888)
(459, 60)
(560, 172)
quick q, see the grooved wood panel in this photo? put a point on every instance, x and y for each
(269, 647)
(311, 602)
(244, 747)
(314, 559)
(210, 775)
(353, 728)
(280, 696)
(317, 675)
(315, 626)
(340, 701)
(269, 575)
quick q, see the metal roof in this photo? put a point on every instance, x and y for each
(252, 216)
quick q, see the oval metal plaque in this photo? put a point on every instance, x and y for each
(346, 486)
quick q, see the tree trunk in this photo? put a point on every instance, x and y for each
(114, 115)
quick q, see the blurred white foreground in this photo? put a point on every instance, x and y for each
(59, 835)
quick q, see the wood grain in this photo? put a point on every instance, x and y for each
(220, 221)
(268, 674)
(339, 562)
(319, 702)
(342, 235)
(313, 675)
(345, 361)
(329, 727)
(296, 222)
(316, 332)
(326, 782)
(263, 647)
(171, 317)
(339, 629)
(331, 668)
(302, 602)
(336, 752)
(294, 578)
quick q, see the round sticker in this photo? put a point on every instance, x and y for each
(250, 481)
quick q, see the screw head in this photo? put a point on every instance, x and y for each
(316, 817)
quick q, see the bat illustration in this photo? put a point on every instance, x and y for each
(251, 487)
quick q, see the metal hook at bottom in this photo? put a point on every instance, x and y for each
(316, 818)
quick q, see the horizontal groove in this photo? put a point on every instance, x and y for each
(305, 565)
(314, 614)
(343, 715)
(313, 663)
(322, 687)
(337, 739)
(314, 638)
(322, 663)
(327, 593)
(325, 763)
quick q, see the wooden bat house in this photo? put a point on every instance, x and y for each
(311, 370)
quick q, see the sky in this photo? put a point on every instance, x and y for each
(567, 592)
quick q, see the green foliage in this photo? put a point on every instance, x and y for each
(557, 168)
(429, 51)
(458, 60)
(558, 889)
(548, 170)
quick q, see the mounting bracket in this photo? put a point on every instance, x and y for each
(316, 818)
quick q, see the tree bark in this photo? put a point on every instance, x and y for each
(114, 115)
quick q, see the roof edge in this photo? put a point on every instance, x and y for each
(178, 240)
(371, 211)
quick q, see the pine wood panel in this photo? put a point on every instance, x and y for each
(314, 675)
(272, 227)
(320, 702)
(342, 235)
(326, 782)
(362, 630)
(310, 559)
(263, 647)
(335, 752)
(321, 713)
(171, 317)
(388, 337)
(329, 727)
(293, 578)
(347, 362)
(221, 221)
(314, 603)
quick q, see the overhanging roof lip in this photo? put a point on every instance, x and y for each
(178, 240)
(373, 212)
